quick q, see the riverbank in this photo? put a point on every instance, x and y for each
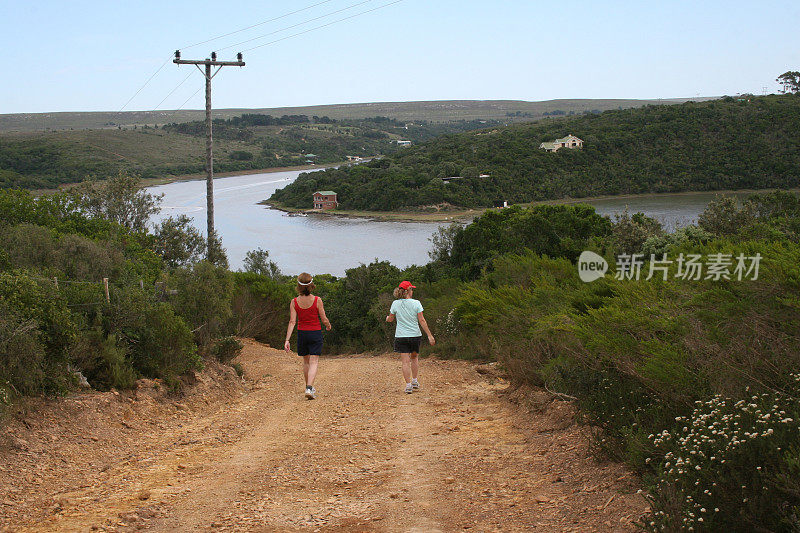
(154, 182)
(455, 215)
(466, 215)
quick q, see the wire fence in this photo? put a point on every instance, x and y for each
(159, 288)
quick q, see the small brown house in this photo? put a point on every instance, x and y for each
(325, 200)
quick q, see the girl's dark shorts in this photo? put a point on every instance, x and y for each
(407, 344)
(309, 342)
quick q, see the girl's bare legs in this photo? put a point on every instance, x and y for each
(310, 368)
(405, 360)
(414, 365)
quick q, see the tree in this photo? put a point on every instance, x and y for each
(257, 261)
(178, 242)
(630, 232)
(120, 199)
(442, 241)
(724, 216)
(217, 254)
(790, 81)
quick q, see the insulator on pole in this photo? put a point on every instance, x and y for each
(239, 56)
(177, 54)
(213, 56)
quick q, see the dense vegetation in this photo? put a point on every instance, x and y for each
(693, 382)
(724, 144)
(245, 142)
(165, 308)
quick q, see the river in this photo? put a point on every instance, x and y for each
(326, 244)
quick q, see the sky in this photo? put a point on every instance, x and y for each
(91, 55)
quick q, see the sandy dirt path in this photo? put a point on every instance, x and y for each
(455, 456)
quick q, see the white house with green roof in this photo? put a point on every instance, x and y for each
(325, 200)
(570, 141)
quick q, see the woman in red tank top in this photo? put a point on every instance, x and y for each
(307, 311)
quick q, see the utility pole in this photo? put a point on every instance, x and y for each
(209, 139)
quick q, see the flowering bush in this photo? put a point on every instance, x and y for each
(732, 465)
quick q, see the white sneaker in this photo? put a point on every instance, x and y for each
(409, 388)
(415, 384)
(311, 392)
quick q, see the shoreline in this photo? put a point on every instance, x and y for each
(466, 215)
(154, 182)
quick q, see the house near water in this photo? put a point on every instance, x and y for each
(325, 200)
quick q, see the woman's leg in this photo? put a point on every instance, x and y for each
(310, 369)
(414, 364)
(405, 360)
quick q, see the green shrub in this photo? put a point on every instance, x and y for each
(103, 360)
(204, 299)
(159, 342)
(260, 307)
(552, 230)
(165, 348)
(39, 331)
(226, 348)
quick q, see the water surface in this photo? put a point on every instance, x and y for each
(328, 244)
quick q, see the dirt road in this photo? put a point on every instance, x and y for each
(257, 456)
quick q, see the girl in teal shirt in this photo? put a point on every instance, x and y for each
(407, 337)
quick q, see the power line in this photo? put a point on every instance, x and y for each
(173, 90)
(295, 25)
(261, 37)
(187, 100)
(294, 35)
(323, 25)
(255, 25)
(145, 84)
(213, 39)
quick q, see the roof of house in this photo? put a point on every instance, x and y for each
(567, 139)
(548, 145)
(325, 193)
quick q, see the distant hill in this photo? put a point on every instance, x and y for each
(47, 159)
(723, 144)
(436, 111)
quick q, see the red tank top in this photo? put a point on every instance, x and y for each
(307, 319)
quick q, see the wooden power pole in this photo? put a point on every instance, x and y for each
(209, 138)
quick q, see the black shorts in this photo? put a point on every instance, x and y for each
(309, 342)
(407, 344)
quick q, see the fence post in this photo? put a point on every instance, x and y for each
(105, 286)
(141, 284)
(55, 282)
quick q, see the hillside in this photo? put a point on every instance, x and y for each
(723, 144)
(437, 111)
(244, 142)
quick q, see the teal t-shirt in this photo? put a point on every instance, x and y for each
(405, 312)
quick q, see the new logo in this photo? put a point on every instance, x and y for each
(591, 266)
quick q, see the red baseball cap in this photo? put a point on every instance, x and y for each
(406, 285)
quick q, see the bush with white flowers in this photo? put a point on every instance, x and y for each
(733, 465)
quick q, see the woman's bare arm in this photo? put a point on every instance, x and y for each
(390, 318)
(323, 316)
(290, 329)
(424, 325)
